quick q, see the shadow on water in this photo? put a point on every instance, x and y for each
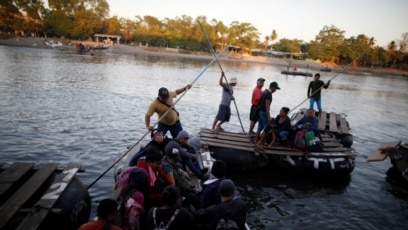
(398, 184)
(284, 200)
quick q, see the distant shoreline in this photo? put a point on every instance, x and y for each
(161, 51)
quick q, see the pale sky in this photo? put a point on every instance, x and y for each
(385, 20)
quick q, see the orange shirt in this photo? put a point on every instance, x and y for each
(256, 95)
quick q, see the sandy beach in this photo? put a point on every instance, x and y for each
(36, 42)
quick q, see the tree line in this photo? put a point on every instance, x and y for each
(81, 19)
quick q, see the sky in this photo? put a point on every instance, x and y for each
(385, 20)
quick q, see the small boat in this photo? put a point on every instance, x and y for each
(398, 154)
(42, 196)
(300, 73)
(82, 48)
(237, 150)
(326, 69)
(54, 44)
(100, 47)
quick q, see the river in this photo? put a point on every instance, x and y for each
(63, 107)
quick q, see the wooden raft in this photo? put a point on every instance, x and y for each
(377, 155)
(240, 141)
(328, 122)
(19, 183)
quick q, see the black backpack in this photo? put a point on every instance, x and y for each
(226, 223)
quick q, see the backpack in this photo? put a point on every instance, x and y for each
(226, 223)
(300, 142)
(161, 225)
(182, 179)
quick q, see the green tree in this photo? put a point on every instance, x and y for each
(112, 26)
(326, 45)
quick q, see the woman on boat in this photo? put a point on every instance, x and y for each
(281, 127)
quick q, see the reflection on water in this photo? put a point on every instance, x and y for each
(63, 107)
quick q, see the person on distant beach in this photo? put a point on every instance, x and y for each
(161, 105)
(224, 109)
(256, 95)
(314, 92)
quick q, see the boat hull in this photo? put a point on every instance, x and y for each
(238, 160)
(306, 74)
(315, 164)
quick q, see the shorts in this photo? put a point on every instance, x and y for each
(254, 113)
(224, 113)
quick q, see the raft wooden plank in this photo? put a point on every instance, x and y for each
(12, 205)
(343, 126)
(334, 154)
(333, 123)
(223, 133)
(377, 155)
(244, 141)
(251, 149)
(12, 174)
(228, 139)
(48, 200)
(322, 121)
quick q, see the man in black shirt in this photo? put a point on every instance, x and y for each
(314, 92)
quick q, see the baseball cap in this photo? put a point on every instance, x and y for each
(274, 84)
(260, 79)
(173, 153)
(227, 187)
(164, 92)
(154, 132)
(182, 134)
(233, 80)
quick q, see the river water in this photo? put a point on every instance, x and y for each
(63, 107)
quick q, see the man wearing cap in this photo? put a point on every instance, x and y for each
(224, 109)
(230, 208)
(314, 92)
(264, 107)
(187, 154)
(167, 115)
(256, 95)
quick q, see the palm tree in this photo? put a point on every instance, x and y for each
(274, 36)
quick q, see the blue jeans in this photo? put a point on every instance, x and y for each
(318, 103)
(174, 129)
(283, 135)
(263, 120)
